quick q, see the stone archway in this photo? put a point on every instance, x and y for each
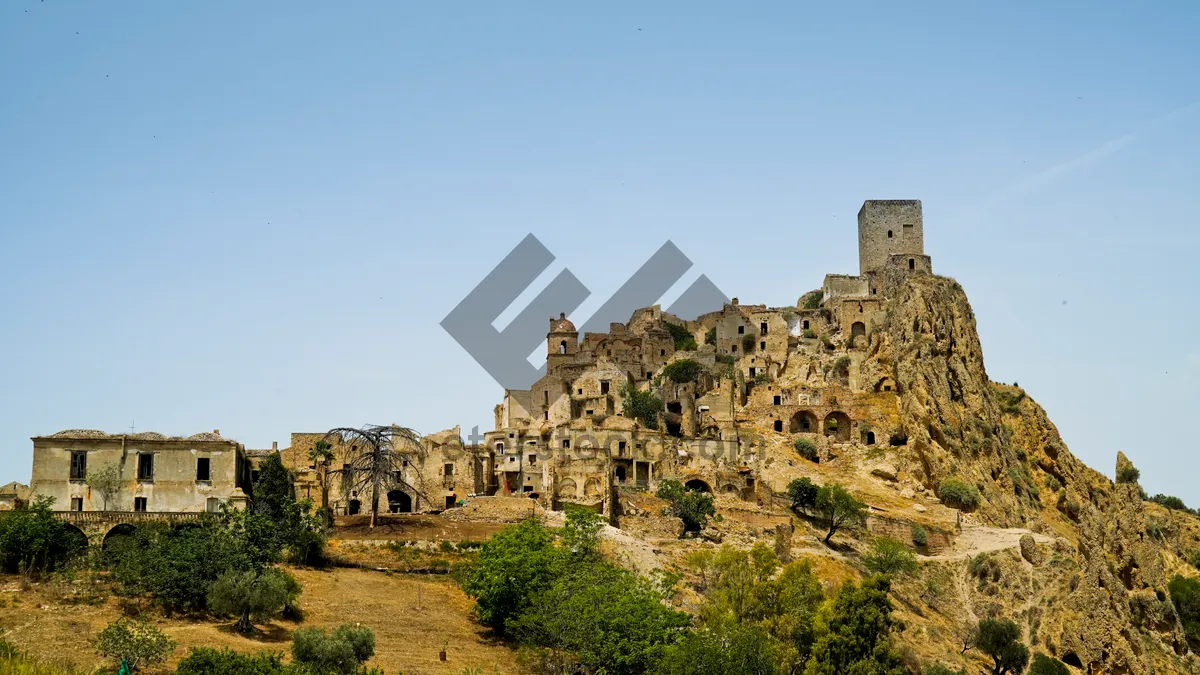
(803, 422)
(837, 425)
(697, 485)
(399, 501)
(567, 489)
(115, 534)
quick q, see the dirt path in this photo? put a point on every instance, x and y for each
(976, 539)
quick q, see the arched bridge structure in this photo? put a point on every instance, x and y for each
(96, 525)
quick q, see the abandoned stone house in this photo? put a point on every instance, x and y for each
(14, 495)
(770, 373)
(157, 473)
(434, 475)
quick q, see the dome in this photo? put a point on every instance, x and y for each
(562, 324)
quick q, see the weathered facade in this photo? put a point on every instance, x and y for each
(157, 473)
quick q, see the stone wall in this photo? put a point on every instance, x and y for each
(888, 227)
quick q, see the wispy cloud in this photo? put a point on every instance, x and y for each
(1049, 175)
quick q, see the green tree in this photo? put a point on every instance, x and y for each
(802, 493)
(642, 406)
(1000, 639)
(252, 596)
(322, 456)
(889, 556)
(959, 494)
(32, 540)
(511, 566)
(377, 455)
(106, 481)
(730, 649)
(812, 299)
(580, 536)
(273, 488)
(610, 619)
(683, 338)
(683, 370)
(225, 661)
(135, 643)
(693, 507)
(1185, 595)
(853, 633)
(1047, 665)
(341, 652)
(837, 509)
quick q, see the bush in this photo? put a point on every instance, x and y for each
(684, 340)
(1194, 559)
(1128, 474)
(1185, 595)
(341, 652)
(1010, 401)
(252, 596)
(727, 648)
(134, 642)
(919, 536)
(1047, 665)
(889, 556)
(691, 506)
(958, 494)
(683, 370)
(642, 406)
(1000, 639)
(511, 566)
(33, 540)
(209, 661)
(802, 493)
(710, 337)
(809, 334)
(1173, 503)
(812, 299)
(806, 449)
(841, 367)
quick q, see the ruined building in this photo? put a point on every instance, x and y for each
(767, 371)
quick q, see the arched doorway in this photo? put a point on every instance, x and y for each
(858, 329)
(399, 502)
(567, 489)
(837, 425)
(697, 485)
(803, 422)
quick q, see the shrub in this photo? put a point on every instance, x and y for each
(812, 299)
(684, 340)
(341, 652)
(683, 370)
(1047, 665)
(959, 494)
(1052, 483)
(691, 506)
(889, 556)
(748, 343)
(1185, 595)
(725, 359)
(1173, 503)
(806, 449)
(1195, 559)
(513, 564)
(802, 493)
(1128, 474)
(809, 333)
(841, 367)
(710, 337)
(919, 536)
(642, 406)
(209, 661)
(34, 541)
(134, 642)
(1000, 639)
(725, 648)
(252, 596)
(1010, 402)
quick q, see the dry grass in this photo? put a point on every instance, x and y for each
(412, 618)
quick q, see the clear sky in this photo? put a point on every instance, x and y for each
(252, 216)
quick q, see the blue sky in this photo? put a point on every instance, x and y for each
(252, 216)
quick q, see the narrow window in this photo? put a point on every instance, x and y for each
(620, 448)
(146, 466)
(753, 371)
(397, 476)
(889, 234)
(213, 505)
(603, 386)
(78, 465)
(546, 397)
(562, 347)
(732, 349)
(778, 425)
(448, 470)
(533, 460)
(203, 468)
(778, 400)
(762, 327)
(580, 392)
(762, 346)
(76, 503)
(546, 415)
(662, 352)
(912, 264)
(806, 324)
(139, 504)
(566, 443)
(741, 330)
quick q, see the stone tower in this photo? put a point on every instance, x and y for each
(562, 339)
(888, 227)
